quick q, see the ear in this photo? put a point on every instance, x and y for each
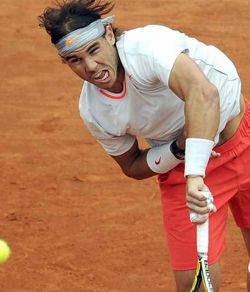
(109, 35)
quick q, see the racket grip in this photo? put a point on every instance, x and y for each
(203, 238)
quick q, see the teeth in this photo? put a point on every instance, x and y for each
(102, 75)
(98, 75)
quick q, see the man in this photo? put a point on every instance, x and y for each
(177, 93)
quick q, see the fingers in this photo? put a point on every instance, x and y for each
(200, 206)
(210, 201)
(211, 207)
(196, 200)
(199, 199)
(200, 209)
(215, 154)
(198, 218)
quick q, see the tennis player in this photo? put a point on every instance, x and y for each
(184, 97)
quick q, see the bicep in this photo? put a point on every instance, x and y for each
(202, 103)
(186, 77)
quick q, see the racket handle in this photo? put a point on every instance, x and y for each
(203, 238)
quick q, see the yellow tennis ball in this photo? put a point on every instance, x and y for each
(4, 251)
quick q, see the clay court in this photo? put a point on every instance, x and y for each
(73, 221)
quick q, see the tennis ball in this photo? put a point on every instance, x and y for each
(4, 251)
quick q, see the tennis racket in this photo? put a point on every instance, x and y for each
(202, 272)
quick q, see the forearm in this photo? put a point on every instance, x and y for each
(202, 113)
(141, 164)
(138, 168)
(133, 163)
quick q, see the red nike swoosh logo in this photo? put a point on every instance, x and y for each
(158, 161)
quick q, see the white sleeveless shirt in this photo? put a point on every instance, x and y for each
(147, 107)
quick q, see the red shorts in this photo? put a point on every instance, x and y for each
(228, 178)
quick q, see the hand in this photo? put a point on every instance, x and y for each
(200, 204)
(215, 154)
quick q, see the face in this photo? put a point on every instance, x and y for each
(97, 62)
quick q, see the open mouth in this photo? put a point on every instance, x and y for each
(102, 76)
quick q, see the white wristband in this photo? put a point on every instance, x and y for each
(160, 159)
(197, 153)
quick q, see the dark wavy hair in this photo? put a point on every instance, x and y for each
(68, 16)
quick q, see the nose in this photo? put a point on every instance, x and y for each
(90, 65)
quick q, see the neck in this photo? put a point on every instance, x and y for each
(118, 85)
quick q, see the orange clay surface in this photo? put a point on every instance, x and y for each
(73, 221)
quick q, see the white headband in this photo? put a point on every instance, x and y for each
(80, 37)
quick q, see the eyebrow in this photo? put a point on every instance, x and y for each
(88, 49)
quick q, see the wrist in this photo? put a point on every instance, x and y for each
(160, 159)
(198, 152)
(177, 151)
